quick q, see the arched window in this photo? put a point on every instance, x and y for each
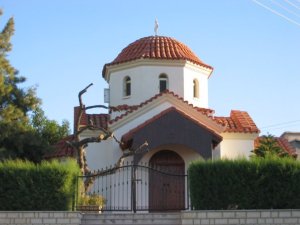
(195, 88)
(163, 82)
(127, 86)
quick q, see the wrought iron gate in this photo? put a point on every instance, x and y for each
(139, 188)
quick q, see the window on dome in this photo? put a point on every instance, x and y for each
(163, 82)
(127, 86)
(195, 88)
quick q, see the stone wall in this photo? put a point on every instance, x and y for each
(233, 217)
(219, 217)
(45, 218)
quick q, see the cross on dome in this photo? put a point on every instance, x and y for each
(156, 27)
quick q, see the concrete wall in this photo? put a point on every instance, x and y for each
(231, 217)
(45, 218)
(221, 217)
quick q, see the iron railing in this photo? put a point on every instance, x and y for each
(131, 187)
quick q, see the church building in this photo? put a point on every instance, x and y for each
(158, 93)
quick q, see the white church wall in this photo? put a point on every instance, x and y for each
(107, 153)
(237, 145)
(216, 153)
(115, 114)
(136, 121)
(190, 74)
(103, 154)
(144, 83)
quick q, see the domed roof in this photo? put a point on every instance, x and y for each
(156, 47)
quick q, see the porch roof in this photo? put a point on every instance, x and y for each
(173, 126)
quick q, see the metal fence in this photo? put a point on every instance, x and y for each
(139, 188)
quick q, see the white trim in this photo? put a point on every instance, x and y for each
(240, 136)
(155, 62)
(178, 104)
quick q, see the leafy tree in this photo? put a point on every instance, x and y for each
(36, 140)
(22, 136)
(268, 147)
(49, 130)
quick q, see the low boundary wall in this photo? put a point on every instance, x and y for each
(217, 217)
(40, 218)
(233, 217)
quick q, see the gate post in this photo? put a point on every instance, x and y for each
(133, 187)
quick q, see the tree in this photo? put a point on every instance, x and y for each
(79, 144)
(22, 136)
(268, 147)
(49, 130)
(15, 102)
(36, 140)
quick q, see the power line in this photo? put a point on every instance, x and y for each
(276, 13)
(281, 124)
(292, 4)
(277, 128)
(285, 8)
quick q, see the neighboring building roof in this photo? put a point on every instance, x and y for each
(285, 145)
(62, 149)
(97, 120)
(282, 143)
(238, 122)
(291, 133)
(290, 136)
(156, 47)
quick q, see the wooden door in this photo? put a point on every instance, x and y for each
(166, 182)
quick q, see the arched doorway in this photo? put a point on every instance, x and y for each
(166, 182)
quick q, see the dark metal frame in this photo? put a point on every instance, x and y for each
(117, 183)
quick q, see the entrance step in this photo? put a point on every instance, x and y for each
(132, 219)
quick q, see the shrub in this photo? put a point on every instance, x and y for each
(45, 186)
(92, 199)
(269, 183)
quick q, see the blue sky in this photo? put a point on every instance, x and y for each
(61, 46)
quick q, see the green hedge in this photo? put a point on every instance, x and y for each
(46, 186)
(255, 184)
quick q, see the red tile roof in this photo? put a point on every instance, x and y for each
(97, 120)
(238, 122)
(126, 137)
(62, 149)
(124, 107)
(204, 111)
(282, 143)
(156, 47)
(285, 145)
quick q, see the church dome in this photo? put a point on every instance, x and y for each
(156, 47)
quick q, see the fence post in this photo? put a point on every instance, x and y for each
(75, 195)
(133, 188)
(189, 207)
